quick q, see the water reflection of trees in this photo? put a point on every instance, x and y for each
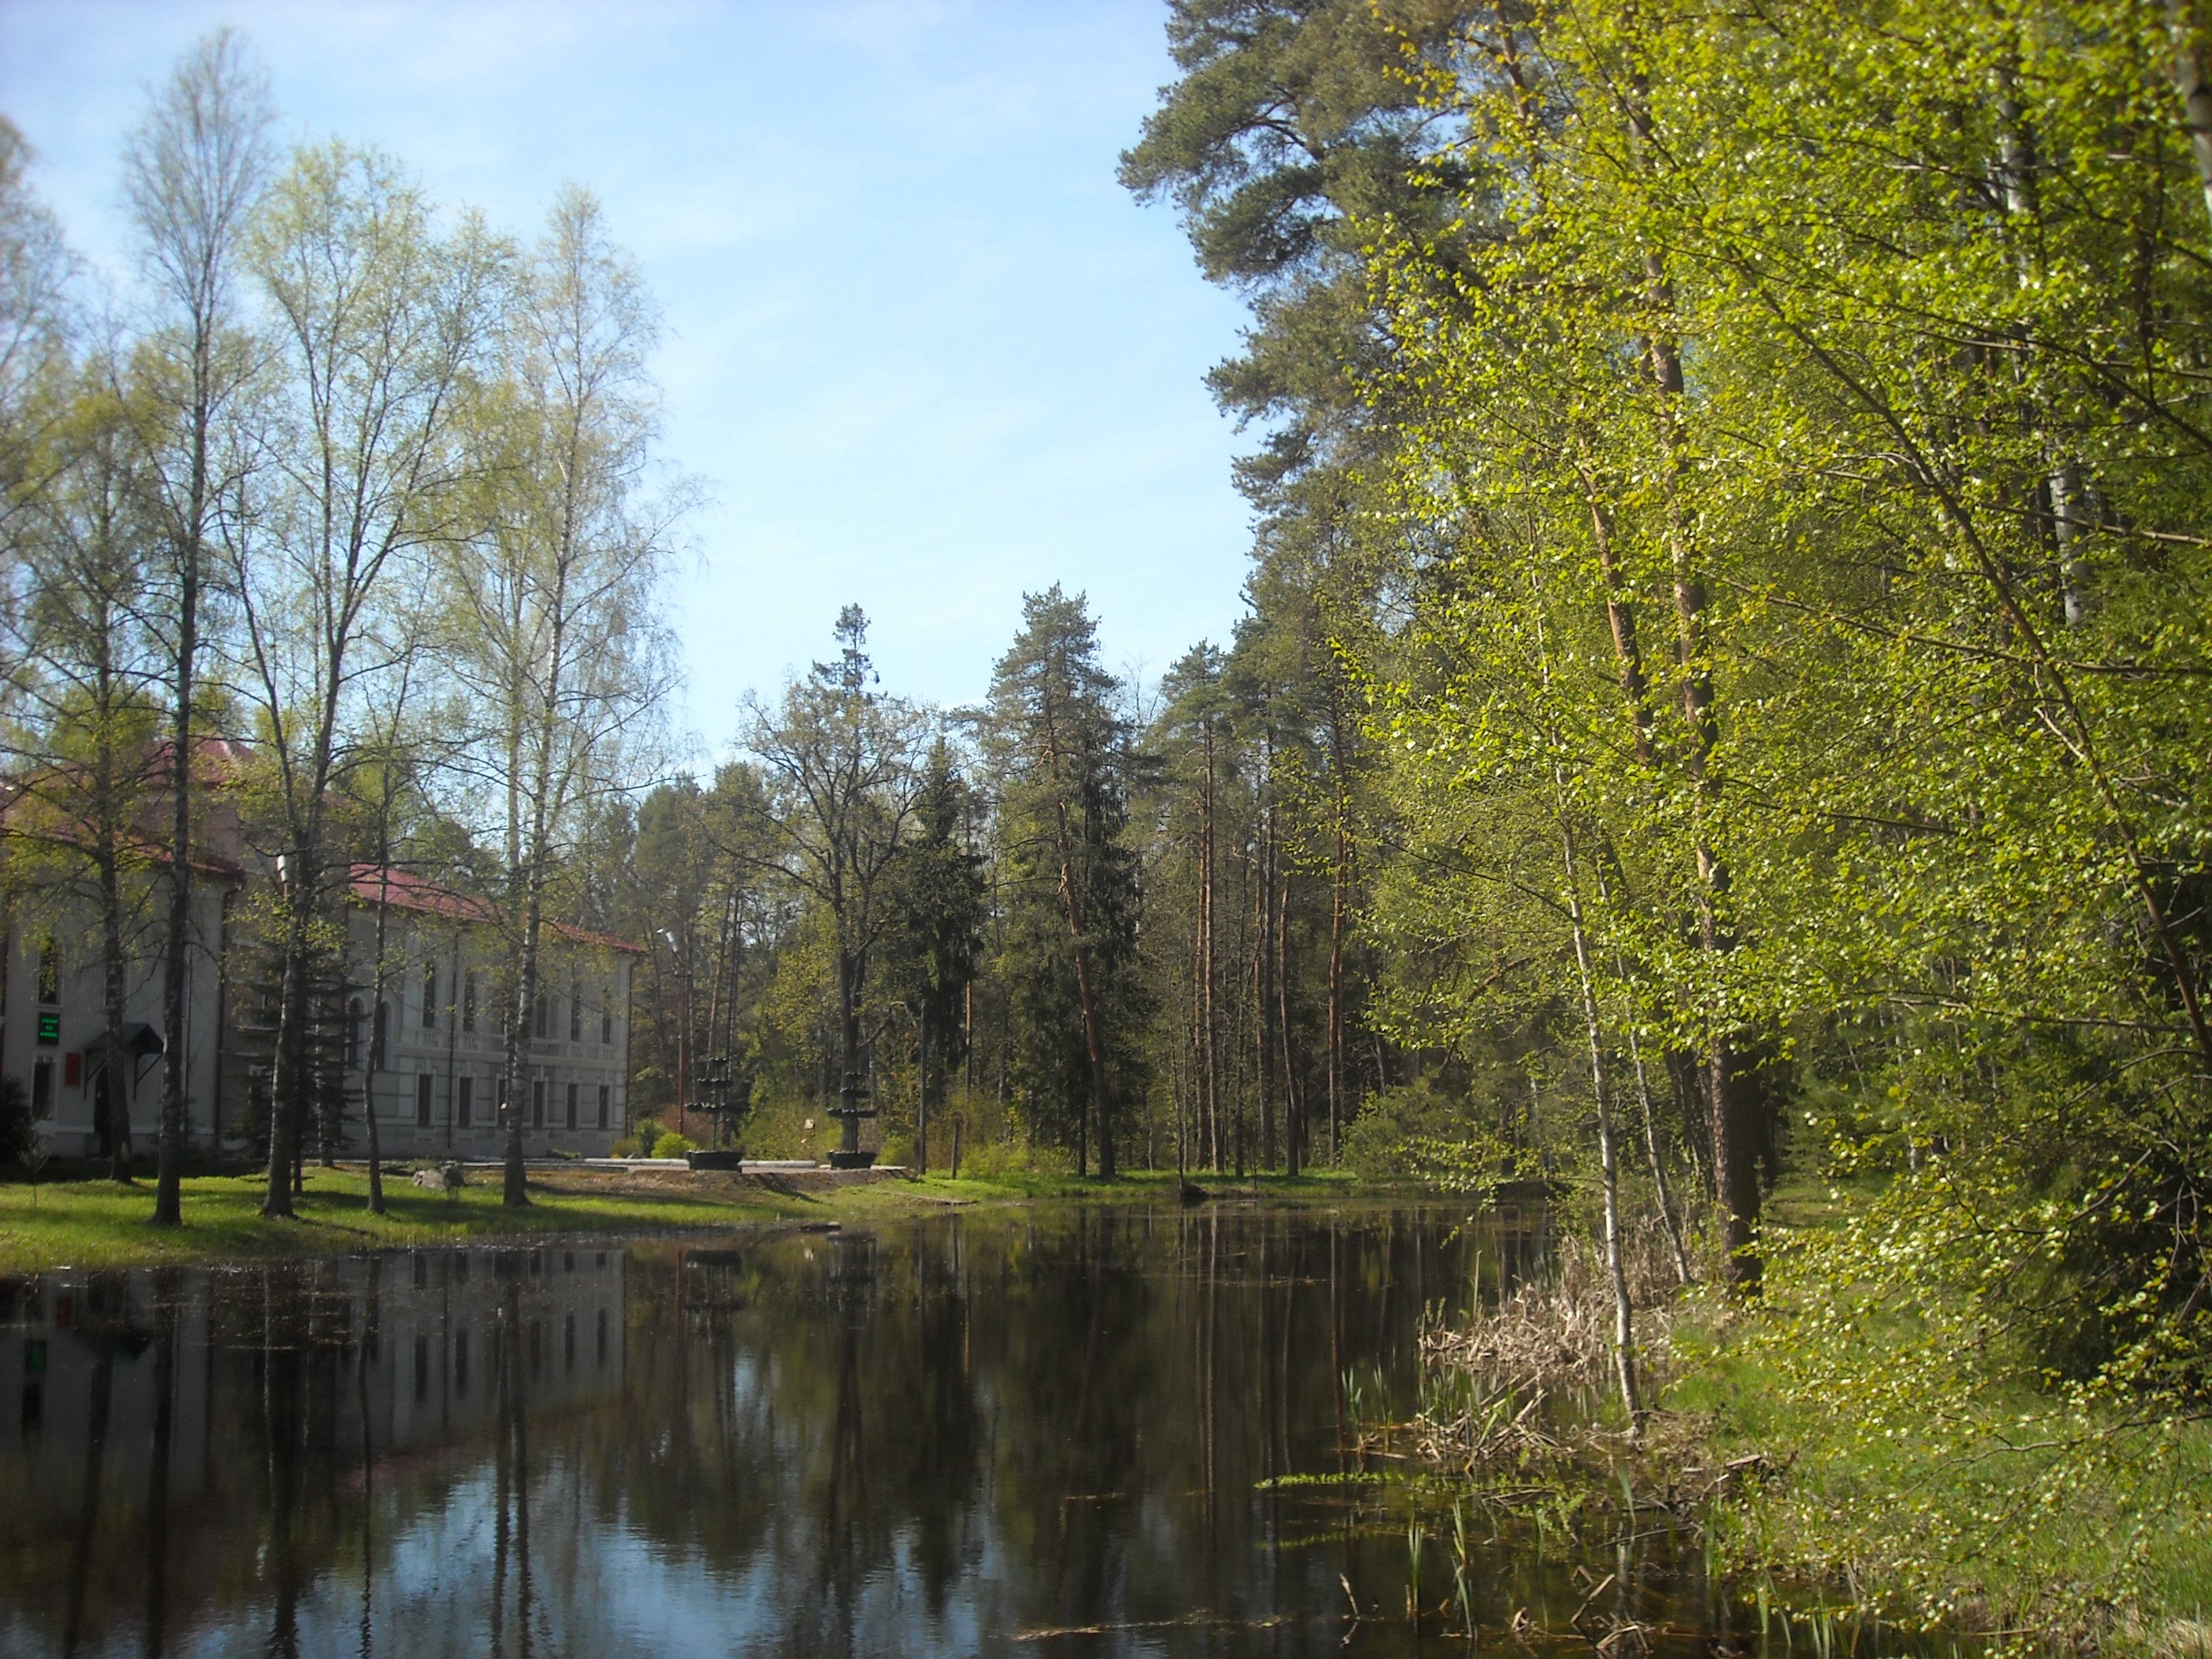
(1003, 1425)
(866, 1441)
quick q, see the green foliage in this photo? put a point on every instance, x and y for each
(1069, 878)
(1404, 1131)
(1803, 603)
(1931, 1477)
(19, 1134)
(672, 1145)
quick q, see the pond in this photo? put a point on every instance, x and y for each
(1025, 1432)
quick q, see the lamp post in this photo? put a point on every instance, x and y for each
(681, 950)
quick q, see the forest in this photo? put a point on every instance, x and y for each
(1722, 697)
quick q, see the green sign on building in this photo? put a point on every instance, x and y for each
(50, 1030)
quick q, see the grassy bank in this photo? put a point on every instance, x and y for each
(1857, 1463)
(1977, 1501)
(95, 1222)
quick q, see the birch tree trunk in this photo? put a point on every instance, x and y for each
(194, 170)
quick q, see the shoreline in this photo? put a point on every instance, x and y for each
(91, 1221)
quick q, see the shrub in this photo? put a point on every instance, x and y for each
(1010, 1157)
(1397, 1131)
(19, 1136)
(672, 1145)
(626, 1147)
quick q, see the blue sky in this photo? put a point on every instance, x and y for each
(922, 349)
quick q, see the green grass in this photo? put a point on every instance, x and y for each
(95, 1222)
(1987, 1521)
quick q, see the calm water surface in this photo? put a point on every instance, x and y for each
(1014, 1432)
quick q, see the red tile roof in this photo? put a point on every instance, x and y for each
(403, 889)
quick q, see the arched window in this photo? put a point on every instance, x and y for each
(429, 996)
(353, 1032)
(379, 1046)
(469, 1000)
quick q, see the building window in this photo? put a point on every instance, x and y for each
(576, 1011)
(50, 972)
(572, 1105)
(465, 1107)
(544, 1021)
(606, 1015)
(469, 1000)
(429, 997)
(380, 1048)
(355, 1019)
(607, 1097)
(422, 1087)
(42, 1089)
(537, 1104)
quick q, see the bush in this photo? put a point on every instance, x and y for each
(1397, 1131)
(672, 1145)
(19, 1136)
(626, 1147)
(1007, 1157)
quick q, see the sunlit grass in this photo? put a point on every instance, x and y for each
(94, 1222)
(2076, 1526)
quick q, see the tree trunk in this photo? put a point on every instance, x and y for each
(2196, 95)
(368, 1065)
(848, 1052)
(1093, 1036)
(1263, 1023)
(1336, 907)
(114, 1070)
(1294, 1121)
(921, 1092)
(1209, 1068)
(1658, 1165)
(1738, 1197)
(291, 1008)
(1623, 1336)
(514, 1186)
(1736, 1184)
(1339, 909)
(176, 944)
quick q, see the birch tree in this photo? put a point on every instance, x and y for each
(195, 170)
(381, 326)
(36, 273)
(550, 610)
(86, 665)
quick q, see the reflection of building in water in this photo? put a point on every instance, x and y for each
(426, 1328)
(168, 1395)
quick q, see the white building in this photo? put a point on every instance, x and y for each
(54, 1018)
(426, 1054)
(429, 1051)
